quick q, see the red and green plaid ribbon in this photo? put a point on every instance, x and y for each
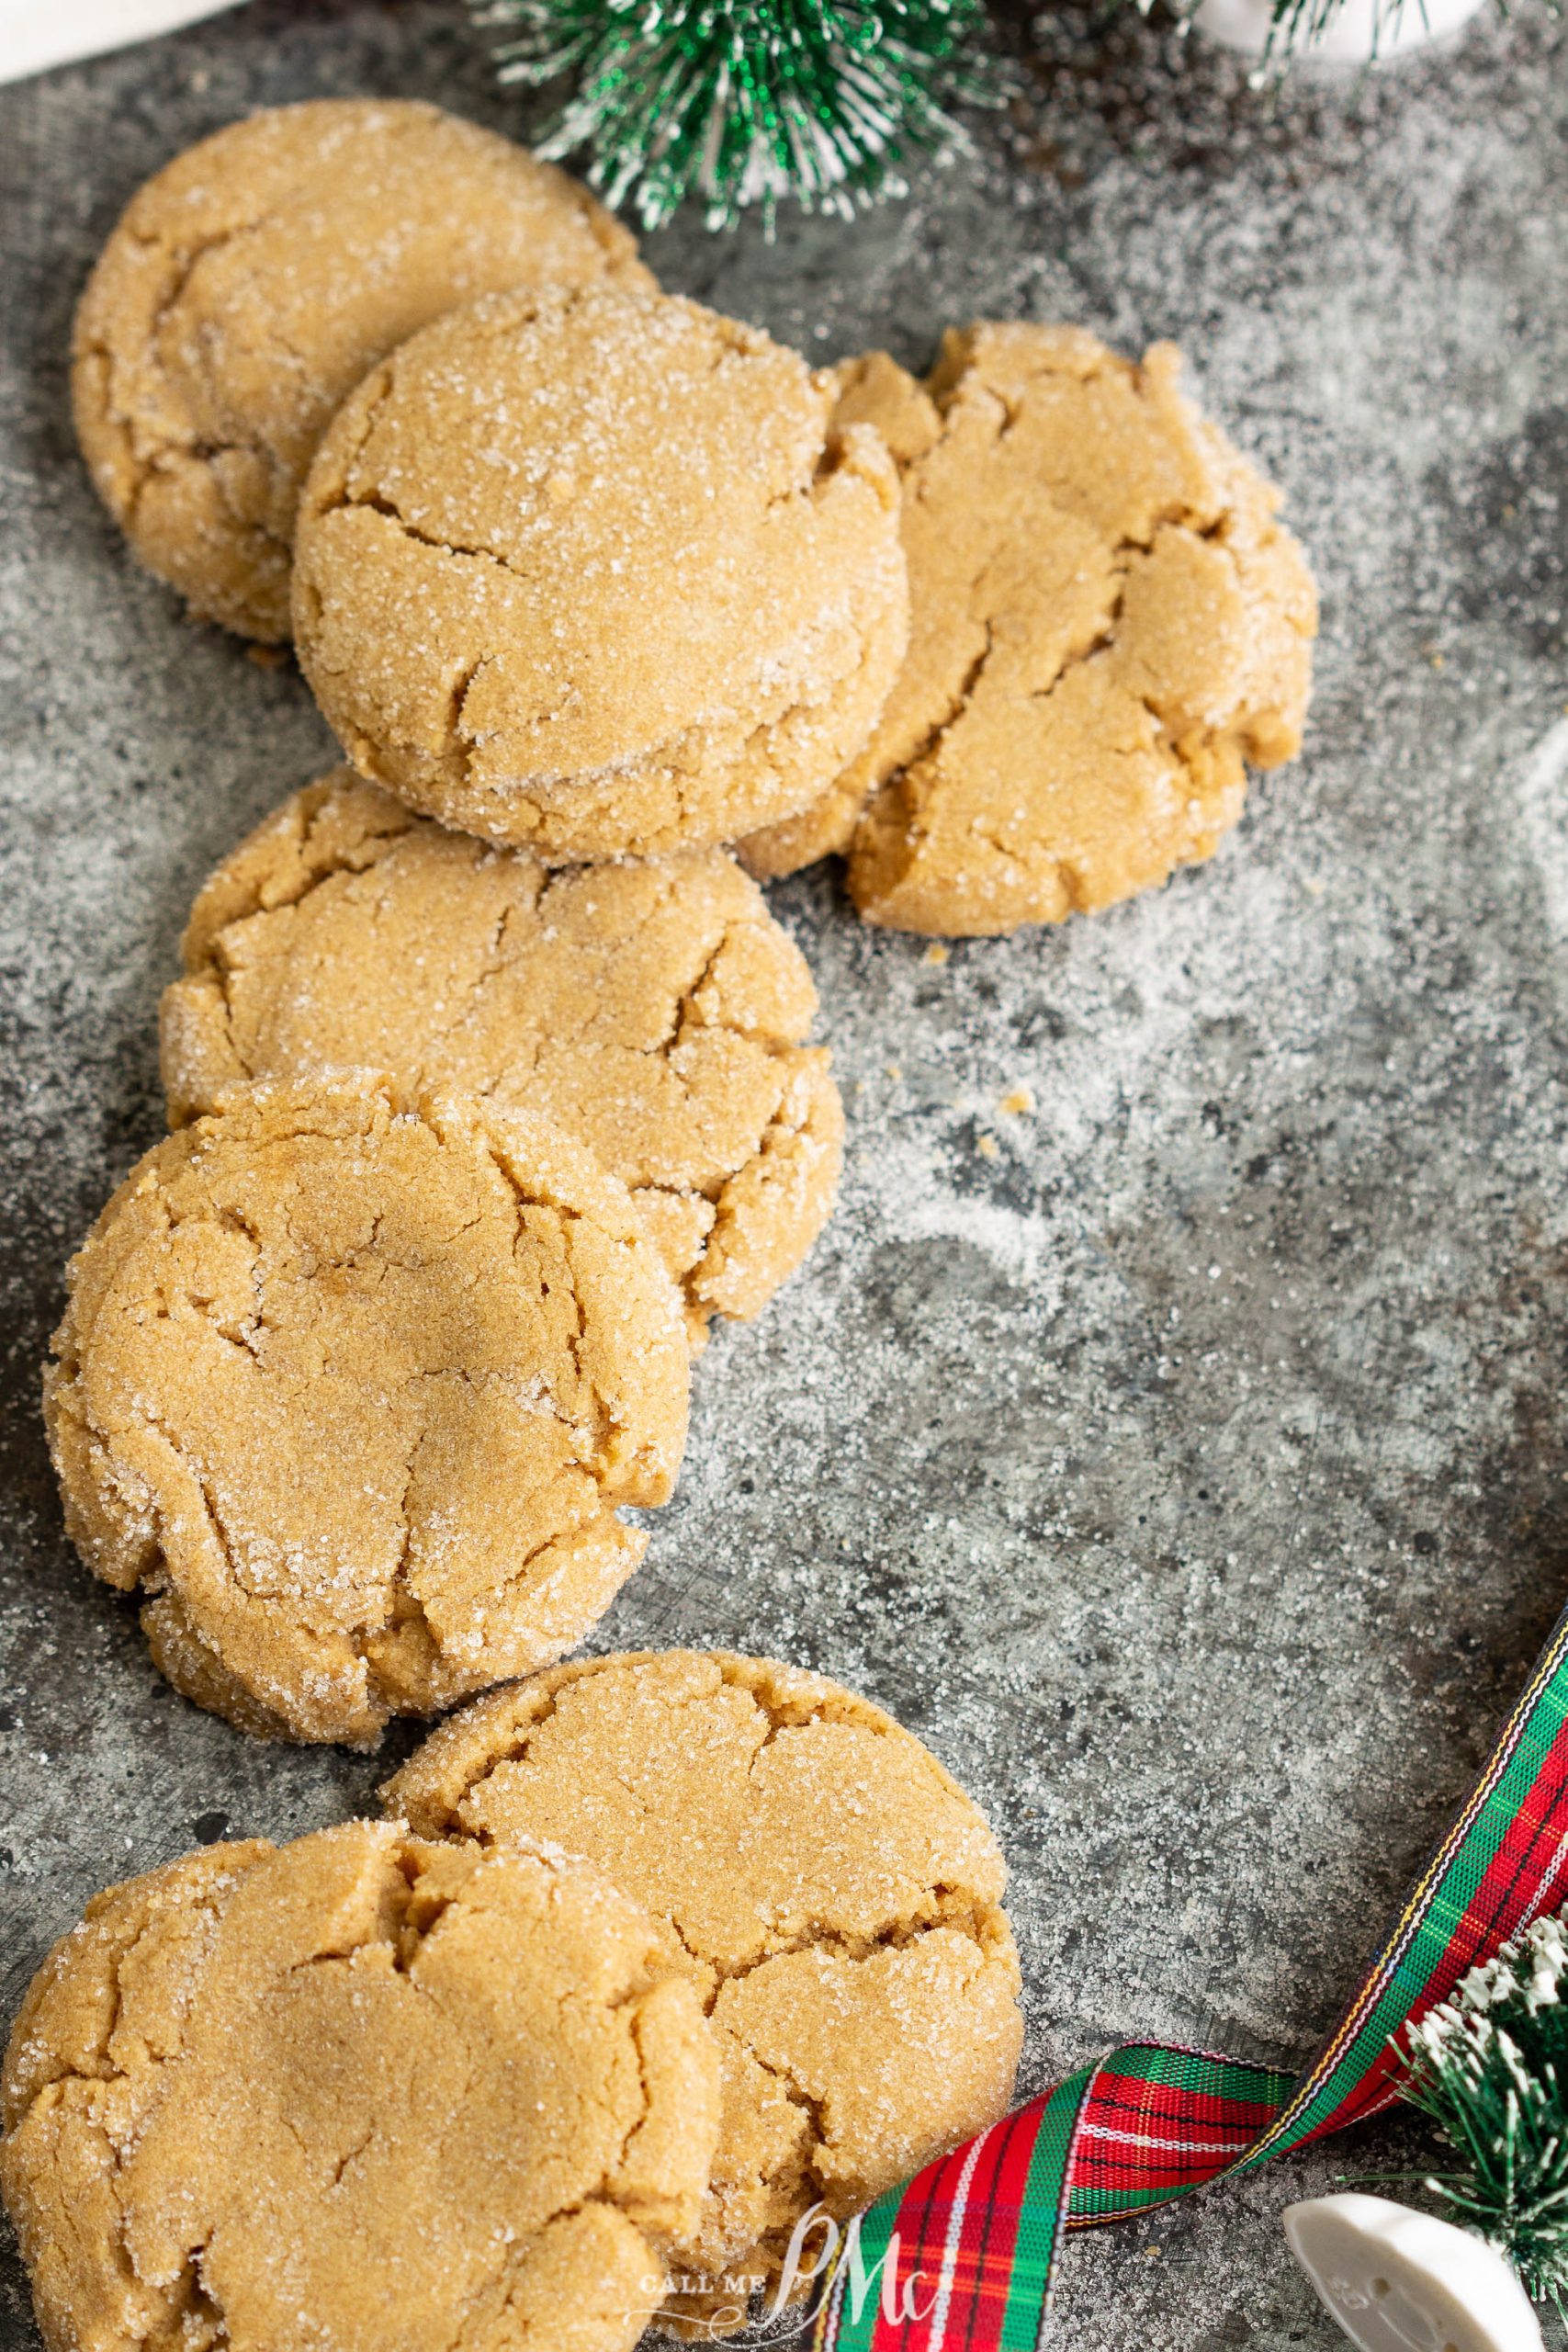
(980, 2231)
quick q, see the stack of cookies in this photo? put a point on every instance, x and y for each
(659, 1961)
(489, 1087)
(486, 1076)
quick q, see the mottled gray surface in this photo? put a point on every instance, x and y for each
(1191, 1473)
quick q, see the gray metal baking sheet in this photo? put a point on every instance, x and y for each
(1190, 1472)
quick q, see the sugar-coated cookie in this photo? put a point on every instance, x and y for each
(1108, 623)
(654, 1009)
(355, 2092)
(253, 281)
(594, 573)
(831, 1892)
(351, 1387)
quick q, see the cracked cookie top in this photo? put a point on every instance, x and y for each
(352, 1388)
(251, 283)
(655, 1011)
(594, 573)
(355, 2090)
(830, 1891)
(1108, 623)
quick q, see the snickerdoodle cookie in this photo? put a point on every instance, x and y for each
(351, 1387)
(834, 1894)
(253, 281)
(353, 2092)
(655, 1011)
(1107, 623)
(595, 573)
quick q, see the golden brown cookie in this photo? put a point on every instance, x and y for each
(355, 2092)
(654, 1011)
(1107, 623)
(834, 1894)
(252, 282)
(593, 573)
(352, 1388)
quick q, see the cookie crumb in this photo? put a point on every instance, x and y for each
(1020, 1103)
(935, 954)
(987, 1147)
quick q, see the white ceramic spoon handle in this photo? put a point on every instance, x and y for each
(1401, 2281)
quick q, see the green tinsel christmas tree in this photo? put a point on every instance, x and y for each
(1490, 2067)
(741, 102)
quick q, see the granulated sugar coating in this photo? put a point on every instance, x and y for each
(1107, 623)
(252, 284)
(351, 1389)
(591, 574)
(653, 1010)
(421, 2093)
(829, 1888)
(1210, 1587)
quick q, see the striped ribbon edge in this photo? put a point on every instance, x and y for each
(980, 2232)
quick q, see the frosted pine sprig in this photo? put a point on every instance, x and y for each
(745, 102)
(1490, 2067)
